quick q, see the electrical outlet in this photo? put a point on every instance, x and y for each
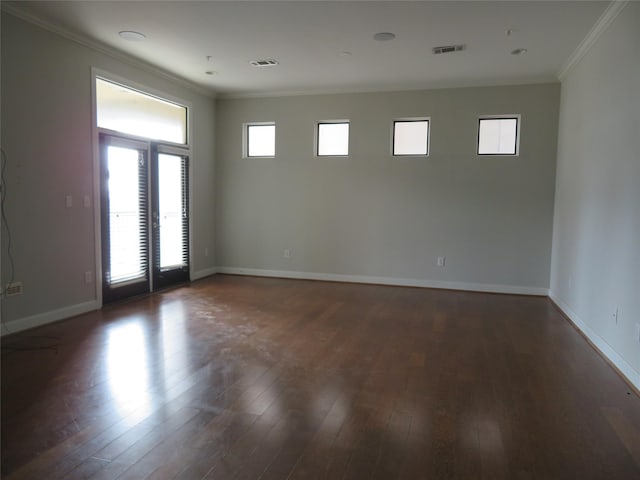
(206, 252)
(615, 315)
(440, 261)
(14, 288)
(637, 332)
(88, 277)
(287, 253)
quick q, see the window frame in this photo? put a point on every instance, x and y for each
(135, 87)
(246, 138)
(410, 120)
(317, 137)
(96, 131)
(517, 118)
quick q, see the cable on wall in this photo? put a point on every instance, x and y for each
(38, 342)
(5, 225)
(5, 222)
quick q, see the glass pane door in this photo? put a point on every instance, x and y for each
(144, 203)
(171, 220)
(125, 232)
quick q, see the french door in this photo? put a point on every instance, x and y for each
(144, 216)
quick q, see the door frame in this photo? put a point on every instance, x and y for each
(95, 137)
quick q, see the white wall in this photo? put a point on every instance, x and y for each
(47, 136)
(596, 242)
(373, 217)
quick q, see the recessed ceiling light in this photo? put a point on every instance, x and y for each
(132, 36)
(211, 72)
(384, 36)
(519, 51)
(345, 54)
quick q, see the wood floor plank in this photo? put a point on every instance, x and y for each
(247, 378)
(628, 434)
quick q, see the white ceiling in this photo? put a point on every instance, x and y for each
(308, 38)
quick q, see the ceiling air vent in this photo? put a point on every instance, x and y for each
(448, 49)
(263, 63)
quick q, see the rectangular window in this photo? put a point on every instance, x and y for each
(129, 111)
(260, 140)
(411, 137)
(498, 135)
(333, 139)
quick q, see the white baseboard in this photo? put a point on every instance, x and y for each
(403, 282)
(605, 349)
(48, 317)
(203, 273)
(54, 315)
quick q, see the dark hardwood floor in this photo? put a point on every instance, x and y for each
(249, 378)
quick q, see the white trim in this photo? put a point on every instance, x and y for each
(609, 15)
(605, 349)
(144, 89)
(99, 47)
(207, 272)
(183, 149)
(97, 198)
(402, 282)
(49, 317)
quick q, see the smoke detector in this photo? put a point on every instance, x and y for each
(448, 49)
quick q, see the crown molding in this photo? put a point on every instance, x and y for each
(510, 82)
(15, 10)
(601, 25)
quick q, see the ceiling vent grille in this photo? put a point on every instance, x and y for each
(448, 49)
(263, 63)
